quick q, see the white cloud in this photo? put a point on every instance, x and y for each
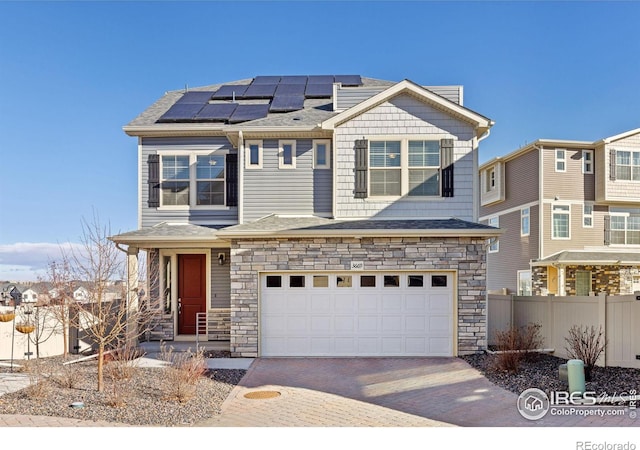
(28, 261)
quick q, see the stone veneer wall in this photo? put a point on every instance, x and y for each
(610, 280)
(467, 256)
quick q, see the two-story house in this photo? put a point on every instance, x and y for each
(570, 211)
(314, 216)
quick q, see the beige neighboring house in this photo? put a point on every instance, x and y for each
(570, 211)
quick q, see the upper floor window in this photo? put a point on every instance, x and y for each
(587, 161)
(560, 222)
(493, 242)
(624, 229)
(424, 168)
(192, 180)
(491, 179)
(210, 182)
(174, 181)
(627, 165)
(525, 214)
(561, 160)
(587, 215)
(409, 168)
(253, 154)
(321, 154)
(385, 168)
(287, 155)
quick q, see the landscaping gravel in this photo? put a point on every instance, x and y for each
(145, 398)
(541, 371)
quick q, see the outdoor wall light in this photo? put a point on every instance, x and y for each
(221, 258)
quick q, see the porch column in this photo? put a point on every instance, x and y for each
(132, 296)
(561, 281)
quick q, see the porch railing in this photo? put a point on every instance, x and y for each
(201, 326)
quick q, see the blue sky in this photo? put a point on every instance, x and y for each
(73, 73)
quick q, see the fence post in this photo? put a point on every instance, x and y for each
(602, 322)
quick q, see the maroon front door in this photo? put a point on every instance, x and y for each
(192, 296)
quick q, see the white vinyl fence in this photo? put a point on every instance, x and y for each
(619, 317)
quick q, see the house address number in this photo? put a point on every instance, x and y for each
(357, 265)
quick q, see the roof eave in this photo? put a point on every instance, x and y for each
(356, 233)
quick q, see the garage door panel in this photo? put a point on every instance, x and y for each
(331, 314)
(321, 324)
(416, 324)
(367, 324)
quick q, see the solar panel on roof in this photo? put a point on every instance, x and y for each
(201, 97)
(287, 103)
(181, 112)
(216, 112)
(244, 113)
(289, 89)
(348, 80)
(320, 79)
(266, 80)
(229, 91)
(318, 90)
(260, 91)
(293, 79)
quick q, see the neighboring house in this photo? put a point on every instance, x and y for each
(571, 215)
(313, 216)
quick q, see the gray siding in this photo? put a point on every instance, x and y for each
(153, 216)
(581, 237)
(220, 280)
(521, 184)
(515, 251)
(300, 191)
(351, 96)
(402, 117)
(621, 191)
(569, 185)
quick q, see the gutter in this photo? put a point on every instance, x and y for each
(356, 233)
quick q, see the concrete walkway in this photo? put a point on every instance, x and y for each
(367, 392)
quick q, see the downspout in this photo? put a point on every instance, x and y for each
(476, 179)
(240, 177)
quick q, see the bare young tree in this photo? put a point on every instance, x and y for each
(106, 310)
(60, 296)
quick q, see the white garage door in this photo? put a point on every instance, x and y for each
(363, 314)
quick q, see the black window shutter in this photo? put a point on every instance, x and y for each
(612, 165)
(231, 174)
(362, 168)
(446, 163)
(607, 230)
(153, 163)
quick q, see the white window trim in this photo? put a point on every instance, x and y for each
(247, 159)
(281, 164)
(563, 159)
(631, 151)
(518, 279)
(404, 168)
(193, 182)
(494, 243)
(568, 213)
(327, 144)
(584, 216)
(525, 212)
(584, 161)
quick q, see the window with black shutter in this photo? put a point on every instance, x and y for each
(232, 179)
(153, 163)
(361, 168)
(446, 161)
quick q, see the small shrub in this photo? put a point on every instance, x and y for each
(38, 386)
(67, 376)
(516, 344)
(182, 373)
(123, 363)
(587, 344)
